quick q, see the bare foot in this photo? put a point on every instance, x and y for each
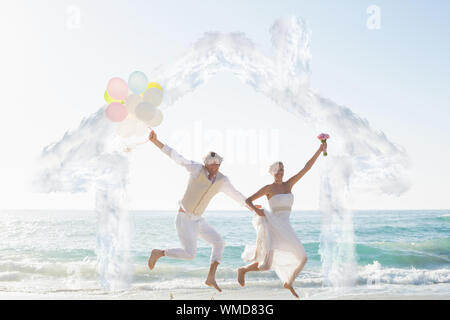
(212, 283)
(241, 276)
(156, 254)
(287, 286)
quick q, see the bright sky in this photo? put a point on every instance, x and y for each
(55, 70)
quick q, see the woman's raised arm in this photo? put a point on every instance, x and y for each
(295, 178)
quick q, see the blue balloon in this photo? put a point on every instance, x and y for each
(137, 82)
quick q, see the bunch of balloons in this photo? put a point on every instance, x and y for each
(134, 104)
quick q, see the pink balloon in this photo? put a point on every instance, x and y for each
(116, 112)
(117, 88)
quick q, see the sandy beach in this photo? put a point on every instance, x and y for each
(226, 294)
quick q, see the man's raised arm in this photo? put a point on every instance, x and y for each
(154, 138)
(175, 156)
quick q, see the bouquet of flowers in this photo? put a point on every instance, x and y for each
(323, 138)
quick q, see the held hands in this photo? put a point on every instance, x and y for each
(323, 147)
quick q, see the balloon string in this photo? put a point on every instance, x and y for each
(133, 146)
(130, 148)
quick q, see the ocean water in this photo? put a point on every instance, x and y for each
(403, 252)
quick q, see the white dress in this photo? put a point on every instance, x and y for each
(277, 245)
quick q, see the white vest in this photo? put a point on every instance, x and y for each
(200, 191)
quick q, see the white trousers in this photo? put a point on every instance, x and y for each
(189, 228)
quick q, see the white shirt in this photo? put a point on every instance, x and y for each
(194, 168)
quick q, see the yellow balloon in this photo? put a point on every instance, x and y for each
(111, 100)
(154, 85)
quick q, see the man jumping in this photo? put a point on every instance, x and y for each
(205, 182)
